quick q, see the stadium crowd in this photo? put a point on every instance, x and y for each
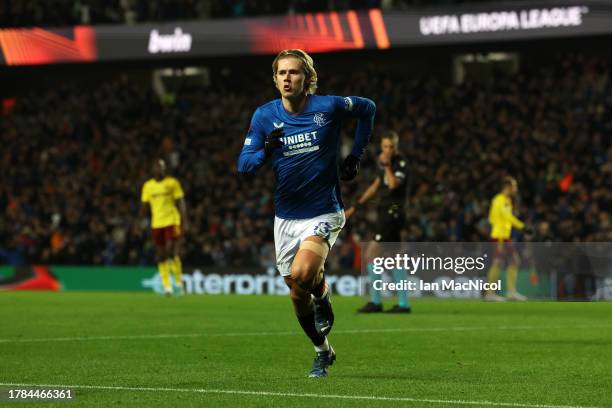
(55, 13)
(74, 161)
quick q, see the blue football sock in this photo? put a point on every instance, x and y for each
(374, 294)
(402, 295)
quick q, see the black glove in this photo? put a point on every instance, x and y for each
(273, 141)
(349, 168)
(528, 231)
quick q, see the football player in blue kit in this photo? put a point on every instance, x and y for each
(299, 134)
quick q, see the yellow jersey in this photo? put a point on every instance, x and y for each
(161, 196)
(501, 218)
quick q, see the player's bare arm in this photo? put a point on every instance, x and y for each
(365, 197)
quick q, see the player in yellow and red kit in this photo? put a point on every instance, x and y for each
(164, 197)
(502, 221)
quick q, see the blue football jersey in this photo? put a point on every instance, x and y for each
(306, 166)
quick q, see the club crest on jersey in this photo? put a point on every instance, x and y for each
(319, 118)
(278, 125)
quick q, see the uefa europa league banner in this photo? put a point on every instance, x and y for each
(313, 32)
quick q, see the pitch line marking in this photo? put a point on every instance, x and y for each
(291, 394)
(286, 333)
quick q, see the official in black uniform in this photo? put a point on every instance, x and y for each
(390, 185)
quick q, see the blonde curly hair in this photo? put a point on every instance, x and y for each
(307, 64)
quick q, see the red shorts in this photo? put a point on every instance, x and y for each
(504, 248)
(166, 234)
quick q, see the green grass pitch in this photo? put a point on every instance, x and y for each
(248, 351)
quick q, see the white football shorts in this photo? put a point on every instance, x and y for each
(289, 234)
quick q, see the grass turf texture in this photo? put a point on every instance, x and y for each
(524, 353)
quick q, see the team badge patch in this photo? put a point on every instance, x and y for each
(348, 104)
(319, 118)
(322, 230)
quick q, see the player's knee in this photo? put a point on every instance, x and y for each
(304, 274)
(295, 291)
